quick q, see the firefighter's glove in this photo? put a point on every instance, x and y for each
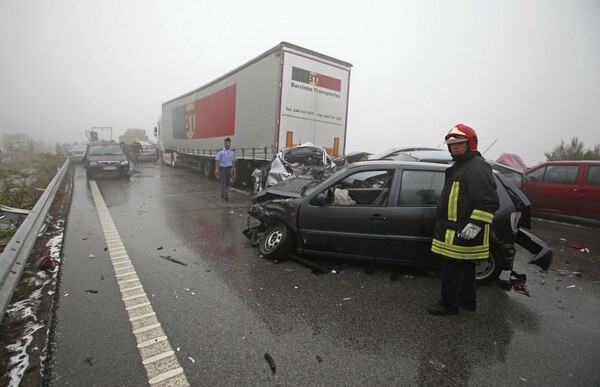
(470, 231)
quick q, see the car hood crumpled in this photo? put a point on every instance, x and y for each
(291, 188)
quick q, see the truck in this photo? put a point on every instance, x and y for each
(132, 135)
(284, 97)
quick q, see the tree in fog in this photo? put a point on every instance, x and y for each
(575, 150)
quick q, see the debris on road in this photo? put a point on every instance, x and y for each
(45, 263)
(271, 363)
(437, 365)
(91, 291)
(169, 258)
(580, 248)
(516, 282)
(567, 273)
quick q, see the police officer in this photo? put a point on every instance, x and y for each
(225, 166)
(464, 215)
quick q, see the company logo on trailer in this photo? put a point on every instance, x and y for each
(316, 79)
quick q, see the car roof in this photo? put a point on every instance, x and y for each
(393, 163)
(563, 162)
(403, 149)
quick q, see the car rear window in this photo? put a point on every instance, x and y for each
(594, 175)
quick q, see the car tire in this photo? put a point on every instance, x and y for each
(275, 242)
(489, 270)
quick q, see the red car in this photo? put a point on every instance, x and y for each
(565, 187)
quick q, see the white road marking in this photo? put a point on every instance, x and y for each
(156, 370)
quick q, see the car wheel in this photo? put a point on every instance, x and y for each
(488, 270)
(275, 242)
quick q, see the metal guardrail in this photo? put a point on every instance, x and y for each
(16, 252)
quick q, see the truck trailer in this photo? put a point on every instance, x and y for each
(286, 96)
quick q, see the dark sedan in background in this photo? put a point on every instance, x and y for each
(382, 211)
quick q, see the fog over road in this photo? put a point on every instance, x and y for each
(225, 311)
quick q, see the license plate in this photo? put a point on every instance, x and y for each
(109, 168)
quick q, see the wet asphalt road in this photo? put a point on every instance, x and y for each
(227, 307)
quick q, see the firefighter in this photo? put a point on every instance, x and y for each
(136, 150)
(465, 212)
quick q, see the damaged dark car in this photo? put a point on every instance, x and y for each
(306, 160)
(381, 212)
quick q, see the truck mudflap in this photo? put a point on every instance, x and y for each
(543, 254)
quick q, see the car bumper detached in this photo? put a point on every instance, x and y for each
(543, 254)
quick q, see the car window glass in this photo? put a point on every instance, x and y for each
(106, 150)
(594, 175)
(536, 175)
(365, 188)
(561, 174)
(421, 187)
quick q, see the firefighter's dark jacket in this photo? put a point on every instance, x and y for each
(469, 196)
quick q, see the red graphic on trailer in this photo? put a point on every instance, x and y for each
(210, 116)
(316, 79)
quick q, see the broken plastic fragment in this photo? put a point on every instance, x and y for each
(570, 286)
(271, 363)
(437, 365)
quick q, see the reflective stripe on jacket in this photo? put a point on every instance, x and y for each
(469, 196)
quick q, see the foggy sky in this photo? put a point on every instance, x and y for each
(523, 73)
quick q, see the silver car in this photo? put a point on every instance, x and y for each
(148, 151)
(75, 153)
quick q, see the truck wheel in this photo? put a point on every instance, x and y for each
(275, 242)
(208, 169)
(234, 178)
(489, 270)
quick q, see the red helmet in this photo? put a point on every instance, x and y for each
(460, 133)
